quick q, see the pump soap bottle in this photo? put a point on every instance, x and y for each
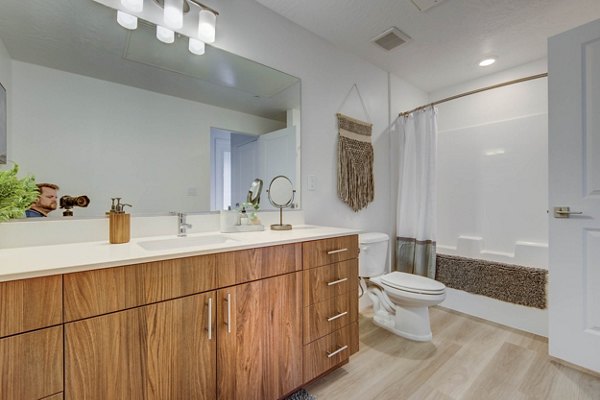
(119, 221)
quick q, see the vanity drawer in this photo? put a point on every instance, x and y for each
(237, 267)
(329, 351)
(91, 293)
(328, 251)
(30, 304)
(330, 280)
(327, 316)
(31, 364)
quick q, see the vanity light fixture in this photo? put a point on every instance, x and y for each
(188, 18)
(196, 46)
(127, 21)
(173, 13)
(133, 5)
(165, 35)
(206, 25)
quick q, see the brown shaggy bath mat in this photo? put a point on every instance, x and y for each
(511, 283)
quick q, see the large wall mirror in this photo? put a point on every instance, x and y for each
(105, 112)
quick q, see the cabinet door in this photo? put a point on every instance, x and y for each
(161, 351)
(31, 364)
(260, 338)
(30, 304)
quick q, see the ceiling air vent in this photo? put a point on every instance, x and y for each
(424, 5)
(391, 39)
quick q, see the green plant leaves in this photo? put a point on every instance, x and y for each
(16, 195)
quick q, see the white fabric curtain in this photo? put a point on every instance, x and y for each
(416, 207)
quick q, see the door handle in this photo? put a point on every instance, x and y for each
(336, 282)
(210, 318)
(565, 212)
(228, 321)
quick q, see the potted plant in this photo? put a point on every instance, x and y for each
(16, 195)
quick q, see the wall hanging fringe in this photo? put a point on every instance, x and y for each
(355, 162)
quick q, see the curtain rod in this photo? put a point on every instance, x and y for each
(458, 96)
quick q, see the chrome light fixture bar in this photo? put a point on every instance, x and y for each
(186, 17)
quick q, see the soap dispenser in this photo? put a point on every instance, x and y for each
(119, 221)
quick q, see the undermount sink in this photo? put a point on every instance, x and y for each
(189, 241)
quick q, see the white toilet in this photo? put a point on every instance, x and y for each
(401, 301)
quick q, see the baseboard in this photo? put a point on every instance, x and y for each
(576, 367)
(527, 319)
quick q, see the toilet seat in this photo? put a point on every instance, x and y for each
(412, 283)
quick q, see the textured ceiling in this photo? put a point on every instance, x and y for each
(448, 40)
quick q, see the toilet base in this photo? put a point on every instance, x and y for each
(419, 330)
(406, 321)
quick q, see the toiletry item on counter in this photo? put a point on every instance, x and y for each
(243, 217)
(119, 222)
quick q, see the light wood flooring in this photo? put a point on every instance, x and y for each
(469, 358)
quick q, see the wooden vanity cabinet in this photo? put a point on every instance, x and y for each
(31, 354)
(259, 335)
(330, 312)
(249, 324)
(160, 351)
(139, 331)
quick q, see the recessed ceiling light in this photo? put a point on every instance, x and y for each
(487, 61)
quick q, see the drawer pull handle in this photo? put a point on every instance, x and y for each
(228, 322)
(329, 355)
(210, 318)
(337, 251)
(336, 282)
(337, 316)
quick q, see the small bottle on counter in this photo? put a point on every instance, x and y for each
(243, 217)
(119, 222)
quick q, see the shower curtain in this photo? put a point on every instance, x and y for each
(416, 207)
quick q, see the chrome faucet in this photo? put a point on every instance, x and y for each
(182, 225)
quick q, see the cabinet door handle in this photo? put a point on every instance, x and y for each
(210, 318)
(329, 355)
(228, 321)
(337, 316)
(337, 251)
(336, 282)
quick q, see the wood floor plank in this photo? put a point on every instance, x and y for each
(468, 358)
(502, 375)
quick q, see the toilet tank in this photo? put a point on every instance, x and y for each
(373, 253)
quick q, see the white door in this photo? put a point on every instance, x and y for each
(574, 171)
(277, 155)
(220, 172)
(244, 166)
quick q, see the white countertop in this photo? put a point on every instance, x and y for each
(29, 262)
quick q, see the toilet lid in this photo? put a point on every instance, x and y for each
(413, 283)
(372, 237)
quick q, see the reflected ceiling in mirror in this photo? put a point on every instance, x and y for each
(107, 112)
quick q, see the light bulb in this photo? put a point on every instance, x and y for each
(206, 26)
(127, 21)
(196, 46)
(133, 5)
(165, 35)
(173, 15)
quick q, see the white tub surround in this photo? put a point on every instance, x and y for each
(29, 262)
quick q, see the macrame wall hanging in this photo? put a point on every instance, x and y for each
(355, 160)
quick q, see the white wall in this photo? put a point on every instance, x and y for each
(109, 140)
(6, 81)
(495, 201)
(327, 73)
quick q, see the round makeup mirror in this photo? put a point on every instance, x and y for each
(254, 192)
(281, 194)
